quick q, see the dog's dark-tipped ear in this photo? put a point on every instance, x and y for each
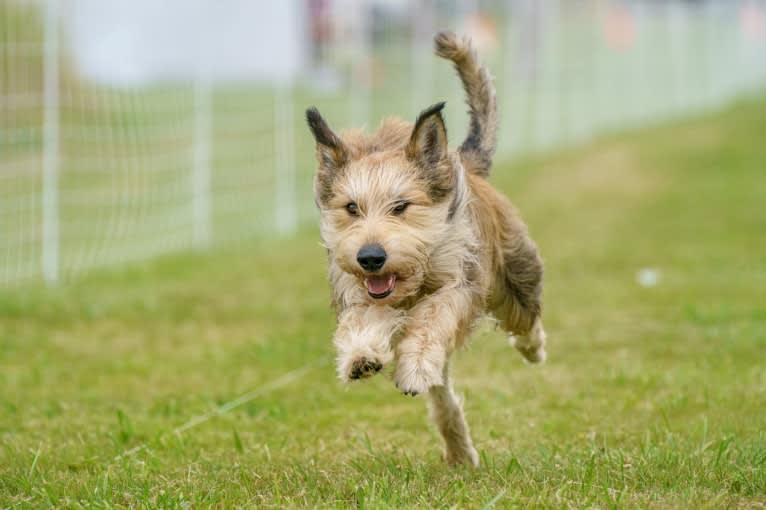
(331, 152)
(428, 142)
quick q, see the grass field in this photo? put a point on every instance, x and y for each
(653, 397)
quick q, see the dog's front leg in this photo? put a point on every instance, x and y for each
(363, 339)
(436, 326)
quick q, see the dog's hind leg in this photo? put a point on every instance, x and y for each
(447, 413)
(520, 299)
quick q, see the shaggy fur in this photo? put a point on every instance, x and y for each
(451, 248)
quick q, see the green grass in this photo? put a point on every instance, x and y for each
(651, 398)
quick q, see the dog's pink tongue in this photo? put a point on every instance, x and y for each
(380, 284)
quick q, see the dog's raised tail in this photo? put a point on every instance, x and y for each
(477, 149)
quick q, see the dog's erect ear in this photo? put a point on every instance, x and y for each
(331, 152)
(428, 142)
(428, 149)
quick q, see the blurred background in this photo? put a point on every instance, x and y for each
(132, 129)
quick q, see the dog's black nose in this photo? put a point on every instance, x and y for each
(371, 257)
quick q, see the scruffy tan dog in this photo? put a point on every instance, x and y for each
(420, 247)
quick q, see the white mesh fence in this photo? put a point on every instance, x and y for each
(98, 167)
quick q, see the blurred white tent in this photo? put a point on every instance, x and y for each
(141, 41)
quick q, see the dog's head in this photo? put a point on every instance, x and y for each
(385, 202)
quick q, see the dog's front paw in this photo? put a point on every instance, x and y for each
(361, 368)
(416, 376)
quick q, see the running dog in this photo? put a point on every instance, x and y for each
(421, 246)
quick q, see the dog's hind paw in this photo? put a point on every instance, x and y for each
(362, 368)
(533, 352)
(466, 455)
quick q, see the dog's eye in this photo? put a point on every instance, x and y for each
(352, 209)
(400, 207)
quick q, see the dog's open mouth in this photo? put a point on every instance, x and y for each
(380, 286)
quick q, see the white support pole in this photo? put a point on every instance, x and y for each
(422, 61)
(528, 65)
(602, 76)
(540, 12)
(558, 129)
(201, 160)
(676, 19)
(641, 65)
(285, 207)
(508, 105)
(464, 11)
(361, 66)
(51, 163)
(577, 58)
(712, 73)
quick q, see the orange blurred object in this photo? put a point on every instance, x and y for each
(482, 30)
(619, 28)
(752, 21)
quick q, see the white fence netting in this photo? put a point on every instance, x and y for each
(129, 130)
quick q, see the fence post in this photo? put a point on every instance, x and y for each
(640, 65)
(560, 84)
(361, 65)
(422, 60)
(285, 208)
(51, 160)
(507, 104)
(676, 21)
(722, 65)
(201, 160)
